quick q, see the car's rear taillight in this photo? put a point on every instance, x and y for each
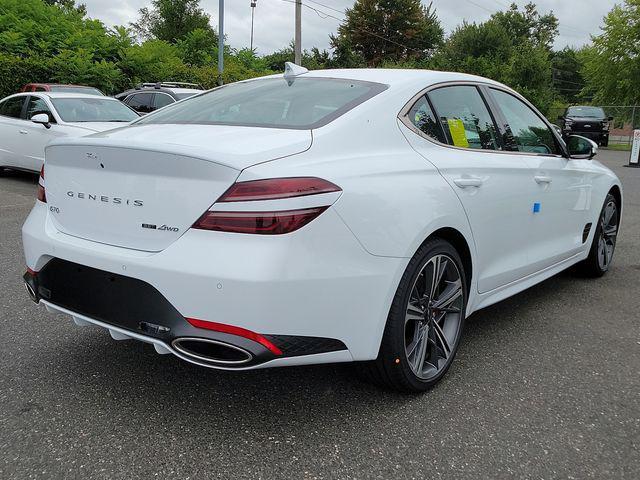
(277, 188)
(42, 195)
(264, 223)
(270, 222)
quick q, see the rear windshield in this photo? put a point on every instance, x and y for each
(595, 112)
(303, 103)
(93, 110)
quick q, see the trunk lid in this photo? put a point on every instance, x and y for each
(144, 191)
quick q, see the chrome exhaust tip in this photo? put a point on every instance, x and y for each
(212, 351)
(32, 293)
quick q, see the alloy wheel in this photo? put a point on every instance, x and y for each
(433, 316)
(608, 234)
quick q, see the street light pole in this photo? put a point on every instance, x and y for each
(298, 40)
(253, 11)
(220, 41)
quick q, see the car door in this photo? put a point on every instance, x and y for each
(38, 136)
(563, 187)
(141, 102)
(458, 134)
(12, 131)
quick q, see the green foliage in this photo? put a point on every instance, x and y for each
(612, 64)
(387, 30)
(171, 20)
(53, 41)
(567, 76)
(512, 47)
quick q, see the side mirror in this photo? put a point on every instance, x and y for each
(42, 119)
(560, 117)
(610, 119)
(581, 148)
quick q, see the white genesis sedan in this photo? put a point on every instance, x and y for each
(327, 216)
(28, 121)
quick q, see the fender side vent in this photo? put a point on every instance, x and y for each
(585, 232)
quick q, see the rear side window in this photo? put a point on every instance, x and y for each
(141, 102)
(527, 131)
(424, 120)
(162, 100)
(464, 117)
(303, 103)
(12, 107)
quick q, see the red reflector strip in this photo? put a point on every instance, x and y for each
(264, 223)
(42, 196)
(277, 188)
(240, 332)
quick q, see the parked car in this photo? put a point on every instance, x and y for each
(590, 122)
(28, 121)
(149, 97)
(56, 87)
(327, 216)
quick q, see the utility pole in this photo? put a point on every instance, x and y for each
(220, 41)
(253, 11)
(298, 40)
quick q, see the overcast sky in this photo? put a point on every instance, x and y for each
(274, 21)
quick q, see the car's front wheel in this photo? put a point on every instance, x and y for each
(425, 322)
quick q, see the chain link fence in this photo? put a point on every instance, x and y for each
(625, 121)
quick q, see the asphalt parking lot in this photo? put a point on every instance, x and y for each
(545, 385)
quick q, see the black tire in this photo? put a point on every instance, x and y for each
(392, 368)
(593, 265)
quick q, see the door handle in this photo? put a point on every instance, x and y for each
(23, 132)
(466, 182)
(542, 179)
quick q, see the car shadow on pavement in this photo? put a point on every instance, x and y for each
(121, 376)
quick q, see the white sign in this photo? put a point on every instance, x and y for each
(635, 151)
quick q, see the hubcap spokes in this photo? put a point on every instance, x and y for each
(433, 316)
(608, 234)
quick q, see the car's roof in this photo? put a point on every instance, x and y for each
(68, 95)
(398, 77)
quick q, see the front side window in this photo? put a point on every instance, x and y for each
(527, 131)
(37, 106)
(141, 102)
(12, 107)
(303, 103)
(464, 117)
(424, 120)
(93, 109)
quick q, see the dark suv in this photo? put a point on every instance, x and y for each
(148, 97)
(590, 122)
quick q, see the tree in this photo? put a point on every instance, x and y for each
(567, 68)
(528, 25)
(171, 20)
(68, 5)
(512, 47)
(612, 64)
(388, 30)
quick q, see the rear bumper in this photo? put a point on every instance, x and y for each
(316, 283)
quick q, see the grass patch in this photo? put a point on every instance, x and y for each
(620, 147)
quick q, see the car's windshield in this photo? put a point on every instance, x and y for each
(73, 89)
(592, 112)
(303, 103)
(93, 110)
